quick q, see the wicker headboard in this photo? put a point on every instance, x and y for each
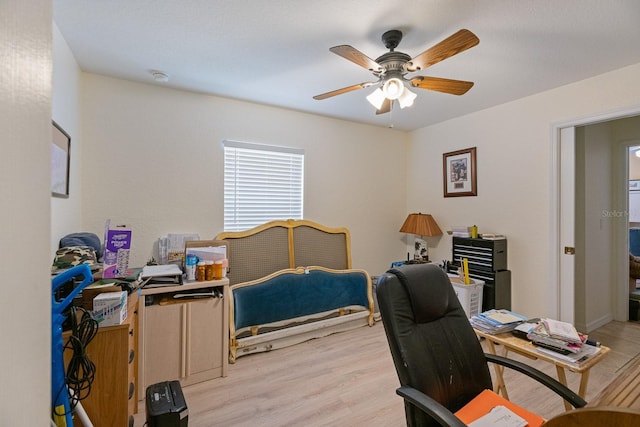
(277, 245)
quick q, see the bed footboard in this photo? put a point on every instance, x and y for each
(295, 305)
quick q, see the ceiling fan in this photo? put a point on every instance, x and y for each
(391, 69)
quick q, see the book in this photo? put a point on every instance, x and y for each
(502, 317)
(483, 403)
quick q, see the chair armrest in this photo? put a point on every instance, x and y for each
(544, 379)
(430, 406)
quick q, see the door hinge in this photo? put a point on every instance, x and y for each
(568, 250)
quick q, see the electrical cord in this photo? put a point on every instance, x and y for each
(80, 370)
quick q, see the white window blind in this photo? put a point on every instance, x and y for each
(261, 183)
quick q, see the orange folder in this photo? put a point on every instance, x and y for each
(487, 400)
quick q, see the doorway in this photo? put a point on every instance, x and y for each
(634, 230)
(597, 290)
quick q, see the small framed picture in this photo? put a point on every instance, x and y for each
(634, 185)
(60, 158)
(459, 173)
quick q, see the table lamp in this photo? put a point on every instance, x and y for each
(421, 225)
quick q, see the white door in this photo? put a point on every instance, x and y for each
(566, 309)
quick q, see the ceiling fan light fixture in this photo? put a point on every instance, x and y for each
(376, 98)
(407, 98)
(393, 88)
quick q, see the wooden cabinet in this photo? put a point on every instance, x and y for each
(183, 338)
(113, 350)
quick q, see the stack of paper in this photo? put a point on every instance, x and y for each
(558, 336)
(459, 231)
(497, 321)
(161, 275)
(585, 353)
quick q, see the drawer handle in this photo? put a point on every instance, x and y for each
(131, 332)
(132, 354)
(131, 390)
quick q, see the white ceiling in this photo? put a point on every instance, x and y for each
(276, 52)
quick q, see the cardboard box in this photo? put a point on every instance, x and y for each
(110, 308)
(93, 290)
(117, 244)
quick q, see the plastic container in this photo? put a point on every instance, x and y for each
(200, 272)
(225, 267)
(190, 266)
(208, 270)
(217, 270)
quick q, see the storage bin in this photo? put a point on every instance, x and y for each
(470, 296)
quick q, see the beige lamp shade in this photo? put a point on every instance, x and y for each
(421, 225)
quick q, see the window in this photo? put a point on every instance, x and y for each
(261, 183)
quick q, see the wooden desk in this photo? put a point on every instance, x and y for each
(527, 349)
(624, 391)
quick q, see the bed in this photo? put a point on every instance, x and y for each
(292, 281)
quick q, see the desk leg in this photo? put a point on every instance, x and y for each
(584, 381)
(500, 386)
(562, 377)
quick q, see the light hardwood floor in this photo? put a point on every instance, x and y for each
(348, 379)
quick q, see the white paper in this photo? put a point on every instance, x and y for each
(500, 416)
(565, 330)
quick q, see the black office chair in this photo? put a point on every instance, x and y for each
(438, 358)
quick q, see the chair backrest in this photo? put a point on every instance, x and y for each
(433, 345)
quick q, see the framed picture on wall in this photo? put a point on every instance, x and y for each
(459, 173)
(60, 159)
(634, 185)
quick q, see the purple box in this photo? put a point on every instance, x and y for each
(117, 244)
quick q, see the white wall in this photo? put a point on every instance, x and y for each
(66, 214)
(25, 125)
(152, 159)
(514, 175)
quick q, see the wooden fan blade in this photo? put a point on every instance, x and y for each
(386, 106)
(458, 42)
(453, 87)
(354, 55)
(343, 90)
